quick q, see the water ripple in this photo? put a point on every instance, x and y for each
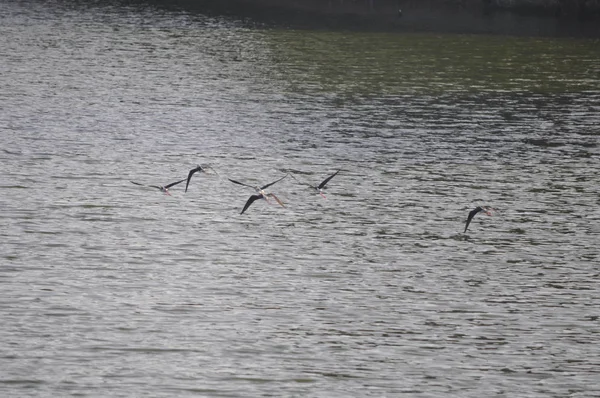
(113, 289)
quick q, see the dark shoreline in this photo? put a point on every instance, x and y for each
(438, 16)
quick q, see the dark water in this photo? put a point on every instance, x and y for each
(111, 289)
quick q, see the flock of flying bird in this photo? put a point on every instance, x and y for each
(260, 191)
(261, 194)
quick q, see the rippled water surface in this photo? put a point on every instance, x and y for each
(112, 289)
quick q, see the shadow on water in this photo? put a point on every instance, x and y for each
(385, 63)
(381, 15)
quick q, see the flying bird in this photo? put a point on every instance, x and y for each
(319, 188)
(487, 209)
(164, 188)
(195, 170)
(190, 174)
(261, 194)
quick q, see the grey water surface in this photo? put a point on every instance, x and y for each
(113, 289)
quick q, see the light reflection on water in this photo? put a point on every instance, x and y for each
(109, 288)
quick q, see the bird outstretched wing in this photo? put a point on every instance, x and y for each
(301, 182)
(241, 183)
(471, 215)
(251, 200)
(146, 185)
(174, 183)
(325, 181)
(190, 174)
(271, 183)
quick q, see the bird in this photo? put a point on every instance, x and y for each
(191, 173)
(261, 194)
(195, 170)
(472, 213)
(319, 188)
(164, 188)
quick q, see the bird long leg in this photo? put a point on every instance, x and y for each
(215, 171)
(276, 199)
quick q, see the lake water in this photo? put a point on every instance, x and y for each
(112, 289)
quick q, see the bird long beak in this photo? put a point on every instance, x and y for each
(323, 195)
